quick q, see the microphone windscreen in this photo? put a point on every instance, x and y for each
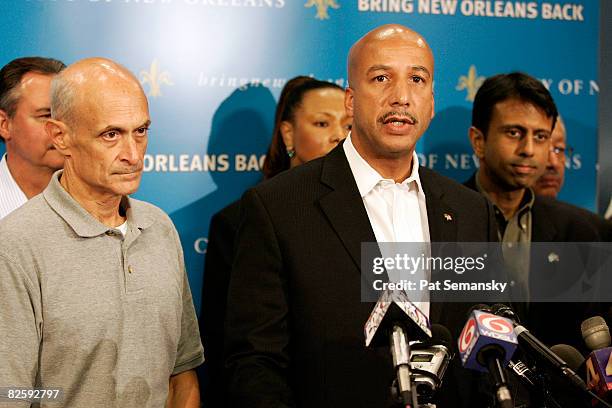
(441, 335)
(506, 311)
(595, 333)
(569, 354)
(481, 306)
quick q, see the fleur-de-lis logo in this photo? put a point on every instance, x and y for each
(322, 6)
(155, 79)
(471, 82)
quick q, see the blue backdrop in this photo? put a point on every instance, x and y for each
(213, 70)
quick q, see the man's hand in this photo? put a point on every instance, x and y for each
(184, 391)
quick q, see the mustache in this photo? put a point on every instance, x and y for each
(405, 115)
(129, 170)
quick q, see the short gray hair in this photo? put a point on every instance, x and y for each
(63, 98)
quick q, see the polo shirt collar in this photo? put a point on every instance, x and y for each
(82, 222)
(525, 204)
(367, 177)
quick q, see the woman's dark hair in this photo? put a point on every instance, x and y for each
(291, 98)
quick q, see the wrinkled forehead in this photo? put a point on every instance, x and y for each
(558, 134)
(396, 51)
(33, 84)
(116, 104)
(104, 85)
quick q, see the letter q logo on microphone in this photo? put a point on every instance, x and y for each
(495, 323)
(467, 335)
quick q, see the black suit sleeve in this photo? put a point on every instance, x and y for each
(217, 272)
(257, 335)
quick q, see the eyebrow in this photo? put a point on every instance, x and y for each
(421, 68)
(513, 126)
(523, 128)
(381, 67)
(120, 129)
(378, 68)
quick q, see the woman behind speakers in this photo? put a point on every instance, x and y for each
(310, 120)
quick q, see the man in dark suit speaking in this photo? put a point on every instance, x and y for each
(295, 317)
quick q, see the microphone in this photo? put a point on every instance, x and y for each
(392, 307)
(429, 361)
(596, 335)
(536, 348)
(487, 343)
(517, 367)
(569, 354)
(393, 318)
(535, 383)
(524, 374)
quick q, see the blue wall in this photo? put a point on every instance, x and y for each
(214, 68)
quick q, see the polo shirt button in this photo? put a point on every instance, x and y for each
(130, 269)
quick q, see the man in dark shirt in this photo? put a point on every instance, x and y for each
(512, 121)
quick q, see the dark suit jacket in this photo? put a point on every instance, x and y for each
(294, 329)
(217, 271)
(556, 221)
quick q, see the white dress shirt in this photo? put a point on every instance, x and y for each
(397, 211)
(11, 196)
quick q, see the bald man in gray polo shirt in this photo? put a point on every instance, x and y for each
(94, 298)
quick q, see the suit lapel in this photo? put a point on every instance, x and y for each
(343, 206)
(442, 224)
(440, 216)
(541, 231)
(345, 211)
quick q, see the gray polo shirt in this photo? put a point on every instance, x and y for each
(107, 318)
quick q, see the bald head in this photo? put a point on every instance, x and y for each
(390, 97)
(380, 37)
(100, 121)
(551, 182)
(559, 134)
(81, 82)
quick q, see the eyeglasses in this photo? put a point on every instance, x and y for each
(566, 152)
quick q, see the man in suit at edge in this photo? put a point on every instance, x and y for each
(512, 121)
(294, 328)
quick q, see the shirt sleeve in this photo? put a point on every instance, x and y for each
(20, 325)
(190, 353)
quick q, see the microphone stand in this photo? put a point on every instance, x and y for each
(400, 351)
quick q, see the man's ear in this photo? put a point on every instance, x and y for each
(5, 124)
(433, 106)
(286, 130)
(477, 139)
(348, 102)
(58, 132)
